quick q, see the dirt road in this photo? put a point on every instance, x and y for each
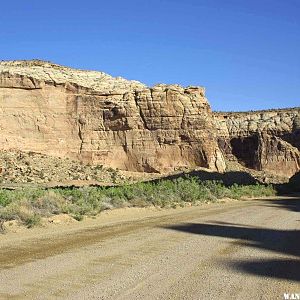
(239, 250)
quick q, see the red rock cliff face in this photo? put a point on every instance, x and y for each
(95, 118)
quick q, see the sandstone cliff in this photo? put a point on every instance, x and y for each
(95, 118)
(261, 140)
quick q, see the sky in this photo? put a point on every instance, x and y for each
(246, 53)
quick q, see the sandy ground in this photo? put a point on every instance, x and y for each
(235, 250)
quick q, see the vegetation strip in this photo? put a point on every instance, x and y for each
(29, 205)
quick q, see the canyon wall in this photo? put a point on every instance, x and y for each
(261, 140)
(98, 119)
(95, 118)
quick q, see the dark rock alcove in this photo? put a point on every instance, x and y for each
(245, 149)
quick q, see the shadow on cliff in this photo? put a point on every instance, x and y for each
(282, 242)
(227, 178)
(293, 186)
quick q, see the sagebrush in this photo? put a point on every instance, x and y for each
(29, 205)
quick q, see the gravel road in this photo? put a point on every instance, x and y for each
(237, 250)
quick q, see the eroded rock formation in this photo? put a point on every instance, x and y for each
(95, 118)
(262, 140)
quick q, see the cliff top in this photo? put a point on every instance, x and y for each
(99, 81)
(255, 112)
(95, 80)
(50, 72)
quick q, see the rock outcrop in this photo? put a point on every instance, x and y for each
(262, 140)
(95, 118)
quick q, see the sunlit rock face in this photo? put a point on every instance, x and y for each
(95, 118)
(261, 140)
(98, 119)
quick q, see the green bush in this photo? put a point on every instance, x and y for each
(32, 221)
(29, 205)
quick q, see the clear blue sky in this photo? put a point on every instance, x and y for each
(245, 52)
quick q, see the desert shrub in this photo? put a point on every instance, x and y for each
(29, 205)
(32, 221)
(5, 197)
(49, 203)
(257, 190)
(8, 213)
(217, 189)
(21, 211)
(78, 217)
